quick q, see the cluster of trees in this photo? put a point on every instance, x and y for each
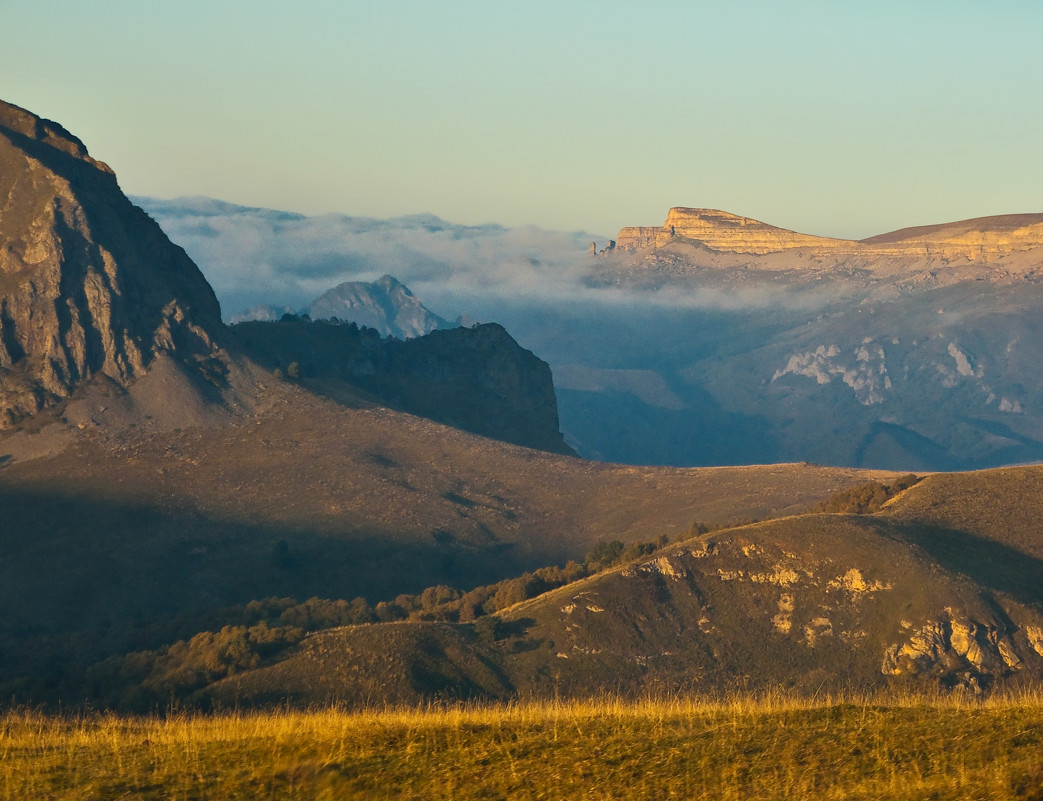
(146, 679)
(254, 632)
(865, 498)
(449, 605)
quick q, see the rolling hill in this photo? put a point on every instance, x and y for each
(938, 589)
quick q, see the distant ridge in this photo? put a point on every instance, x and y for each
(983, 239)
(1000, 223)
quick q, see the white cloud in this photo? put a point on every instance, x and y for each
(257, 256)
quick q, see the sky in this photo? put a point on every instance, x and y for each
(837, 119)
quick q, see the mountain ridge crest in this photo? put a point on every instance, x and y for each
(977, 239)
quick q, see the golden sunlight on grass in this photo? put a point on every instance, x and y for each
(766, 748)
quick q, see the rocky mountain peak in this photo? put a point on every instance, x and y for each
(17, 120)
(89, 284)
(386, 305)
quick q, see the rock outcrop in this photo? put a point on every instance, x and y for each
(719, 230)
(89, 284)
(983, 239)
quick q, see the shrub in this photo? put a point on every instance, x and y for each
(865, 498)
(604, 554)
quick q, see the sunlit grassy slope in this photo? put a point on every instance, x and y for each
(899, 748)
(940, 587)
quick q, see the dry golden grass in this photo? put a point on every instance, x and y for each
(762, 748)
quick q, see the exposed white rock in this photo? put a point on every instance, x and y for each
(855, 583)
(1034, 634)
(964, 642)
(662, 565)
(867, 376)
(750, 549)
(963, 364)
(1014, 407)
(924, 649)
(815, 364)
(704, 551)
(783, 621)
(782, 576)
(954, 643)
(818, 628)
(1010, 656)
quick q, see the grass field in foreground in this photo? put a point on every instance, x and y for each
(750, 749)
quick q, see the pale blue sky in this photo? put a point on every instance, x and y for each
(833, 118)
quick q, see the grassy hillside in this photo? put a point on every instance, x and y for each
(901, 748)
(826, 600)
(128, 540)
(1002, 506)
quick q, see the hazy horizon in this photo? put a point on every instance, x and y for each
(829, 119)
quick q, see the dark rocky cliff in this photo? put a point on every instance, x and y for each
(477, 379)
(89, 284)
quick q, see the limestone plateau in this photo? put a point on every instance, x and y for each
(1005, 239)
(89, 284)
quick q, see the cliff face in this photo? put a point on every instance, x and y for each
(719, 230)
(984, 239)
(476, 379)
(89, 284)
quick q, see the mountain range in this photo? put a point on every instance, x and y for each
(715, 339)
(302, 510)
(1002, 243)
(910, 350)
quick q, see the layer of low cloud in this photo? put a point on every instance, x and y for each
(254, 256)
